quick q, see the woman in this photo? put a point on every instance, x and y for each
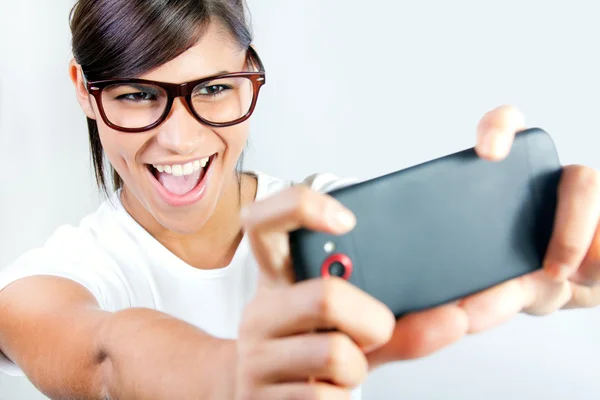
(178, 286)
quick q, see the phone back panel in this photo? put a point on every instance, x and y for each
(444, 229)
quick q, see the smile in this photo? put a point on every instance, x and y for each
(181, 184)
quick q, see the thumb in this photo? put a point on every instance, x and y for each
(268, 223)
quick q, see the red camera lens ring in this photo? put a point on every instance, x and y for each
(342, 259)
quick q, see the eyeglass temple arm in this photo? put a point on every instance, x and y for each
(85, 80)
(258, 64)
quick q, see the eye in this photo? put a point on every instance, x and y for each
(211, 90)
(137, 97)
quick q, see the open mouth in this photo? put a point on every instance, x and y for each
(180, 180)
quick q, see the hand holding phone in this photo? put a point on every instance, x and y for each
(441, 230)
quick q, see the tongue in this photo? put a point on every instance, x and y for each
(179, 185)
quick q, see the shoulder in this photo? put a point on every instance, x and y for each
(77, 241)
(84, 241)
(321, 182)
(326, 182)
(77, 252)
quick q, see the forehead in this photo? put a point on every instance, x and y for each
(216, 52)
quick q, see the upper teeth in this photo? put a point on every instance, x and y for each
(183, 169)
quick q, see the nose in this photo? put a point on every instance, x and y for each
(181, 132)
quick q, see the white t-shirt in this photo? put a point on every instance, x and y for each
(123, 266)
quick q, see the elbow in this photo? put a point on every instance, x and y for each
(104, 362)
(105, 376)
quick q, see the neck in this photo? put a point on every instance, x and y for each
(215, 243)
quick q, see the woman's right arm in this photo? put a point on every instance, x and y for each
(53, 329)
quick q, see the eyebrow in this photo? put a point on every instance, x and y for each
(205, 77)
(147, 88)
(215, 74)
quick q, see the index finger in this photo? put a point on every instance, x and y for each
(325, 304)
(268, 223)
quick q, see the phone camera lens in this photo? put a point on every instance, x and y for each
(337, 269)
(338, 265)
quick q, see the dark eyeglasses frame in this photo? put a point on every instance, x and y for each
(184, 90)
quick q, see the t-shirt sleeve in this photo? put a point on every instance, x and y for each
(70, 253)
(326, 182)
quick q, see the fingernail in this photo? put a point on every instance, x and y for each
(344, 219)
(486, 145)
(496, 144)
(503, 144)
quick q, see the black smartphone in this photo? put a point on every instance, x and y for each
(441, 230)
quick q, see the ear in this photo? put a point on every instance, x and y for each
(83, 97)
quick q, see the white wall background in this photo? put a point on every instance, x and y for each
(385, 84)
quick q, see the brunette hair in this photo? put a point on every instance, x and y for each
(127, 38)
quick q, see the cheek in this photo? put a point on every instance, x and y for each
(121, 149)
(235, 139)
